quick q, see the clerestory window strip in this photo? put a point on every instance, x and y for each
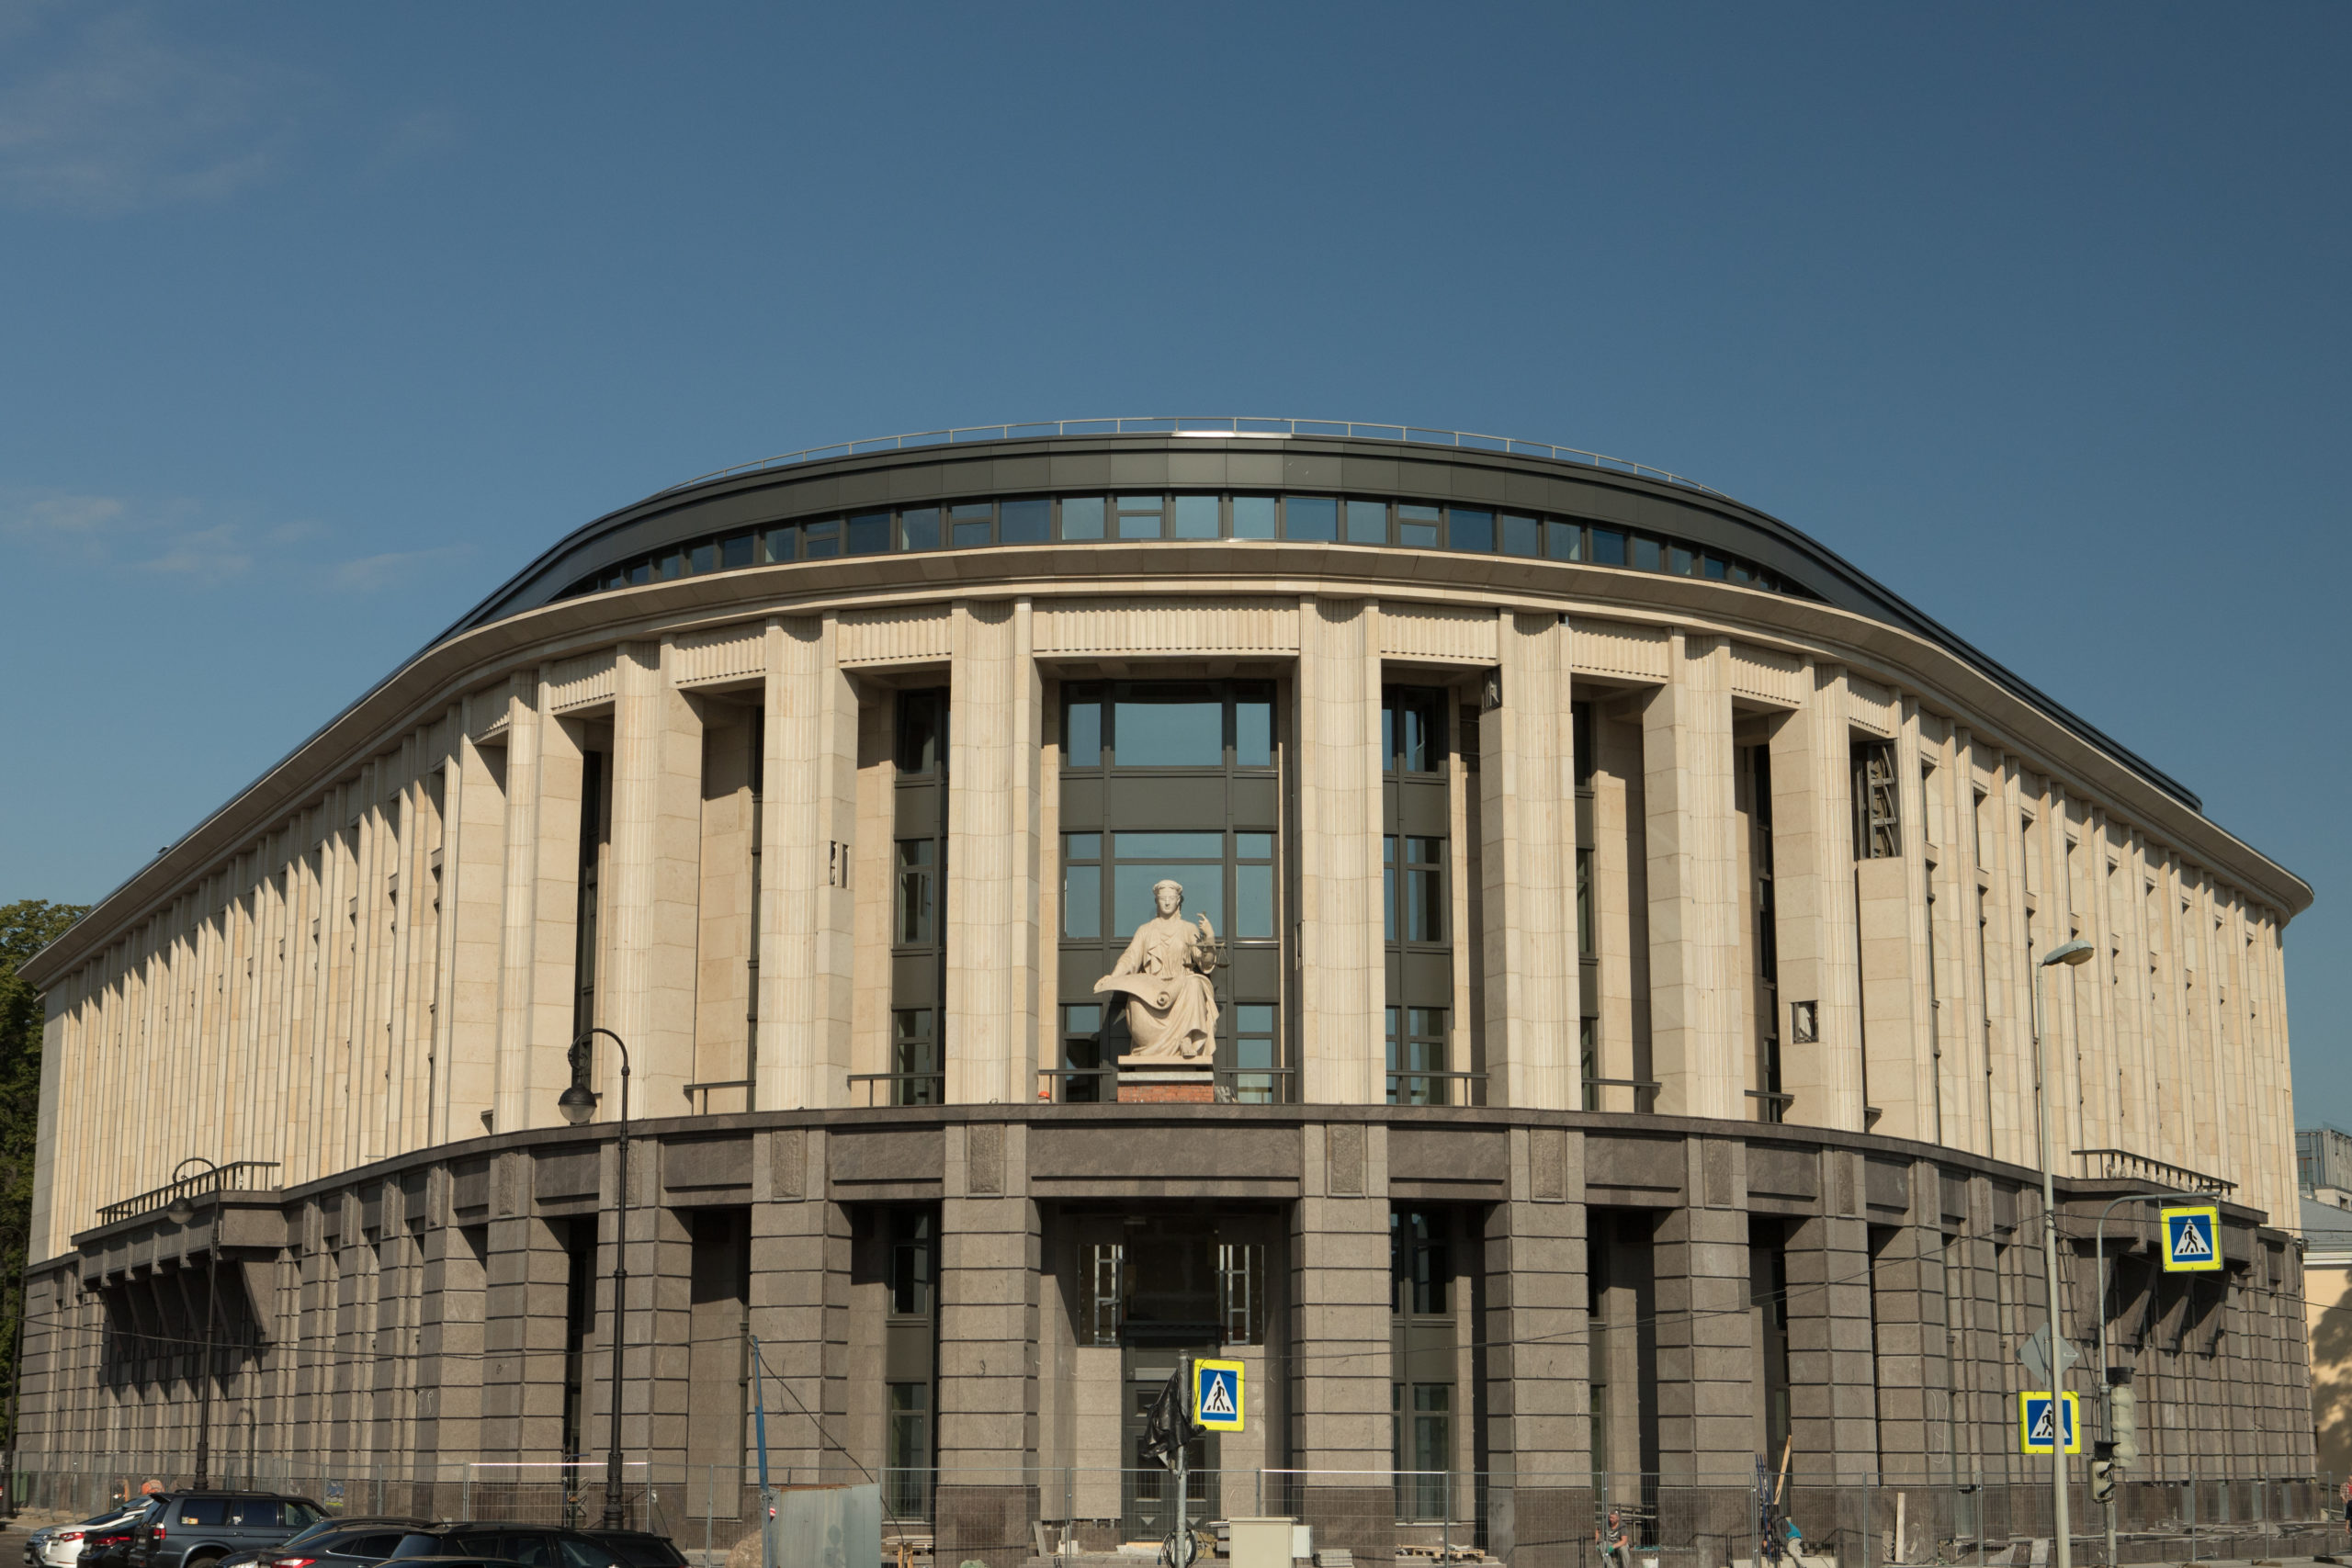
(1131, 516)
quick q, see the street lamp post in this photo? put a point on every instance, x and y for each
(578, 1103)
(181, 1211)
(2070, 954)
(2107, 1384)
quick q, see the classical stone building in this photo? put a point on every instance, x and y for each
(1626, 914)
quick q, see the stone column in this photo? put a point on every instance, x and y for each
(727, 923)
(799, 1305)
(996, 750)
(1340, 1329)
(1914, 1403)
(523, 1329)
(1813, 887)
(655, 1327)
(1342, 1029)
(539, 953)
(1527, 806)
(646, 990)
(1833, 1391)
(1695, 975)
(449, 1345)
(1539, 1442)
(807, 943)
(1889, 894)
(472, 874)
(1707, 1362)
(988, 1271)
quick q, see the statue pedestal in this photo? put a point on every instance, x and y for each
(1158, 1081)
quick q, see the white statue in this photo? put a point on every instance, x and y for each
(1164, 974)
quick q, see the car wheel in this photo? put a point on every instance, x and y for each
(206, 1560)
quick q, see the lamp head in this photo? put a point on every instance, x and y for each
(2073, 954)
(180, 1210)
(578, 1103)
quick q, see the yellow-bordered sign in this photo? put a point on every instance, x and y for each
(2192, 1239)
(2035, 1432)
(1216, 1395)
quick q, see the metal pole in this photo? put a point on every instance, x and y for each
(2106, 1394)
(613, 1511)
(204, 1399)
(2059, 1524)
(759, 1431)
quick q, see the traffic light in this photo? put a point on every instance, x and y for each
(2102, 1480)
(2122, 1416)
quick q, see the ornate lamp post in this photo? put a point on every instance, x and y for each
(578, 1103)
(181, 1211)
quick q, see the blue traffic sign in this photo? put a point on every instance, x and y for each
(2192, 1239)
(1216, 1395)
(2038, 1416)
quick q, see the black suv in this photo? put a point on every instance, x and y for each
(197, 1529)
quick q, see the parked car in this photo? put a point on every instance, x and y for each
(333, 1524)
(197, 1529)
(345, 1543)
(60, 1546)
(110, 1547)
(532, 1546)
(642, 1549)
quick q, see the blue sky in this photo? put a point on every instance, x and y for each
(322, 320)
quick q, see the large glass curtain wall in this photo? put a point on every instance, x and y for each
(1172, 780)
(1167, 514)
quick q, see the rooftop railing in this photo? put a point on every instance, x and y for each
(1226, 426)
(237, 1176)
(2095, 1164)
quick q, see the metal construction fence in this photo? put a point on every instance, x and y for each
(1670, 1520)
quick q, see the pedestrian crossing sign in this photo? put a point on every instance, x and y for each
(2038, 1419)
(1216, 1395)
(2192, 1239)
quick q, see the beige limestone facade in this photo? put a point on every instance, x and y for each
(1626, 1061)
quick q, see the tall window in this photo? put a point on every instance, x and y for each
(1417, 893)
(1767, 1294)
(1422, 1385)
(1877, 814)
(909, 1334)
(1173, 781)
(1756, 796)
(1581, 741)
(592, 842)
(918, 899)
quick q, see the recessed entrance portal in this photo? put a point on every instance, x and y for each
(1158, 1287)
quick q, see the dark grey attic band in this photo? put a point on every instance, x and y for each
(1130, 517)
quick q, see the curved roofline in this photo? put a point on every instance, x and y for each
(1848, 585)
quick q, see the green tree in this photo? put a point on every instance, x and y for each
(26, 928)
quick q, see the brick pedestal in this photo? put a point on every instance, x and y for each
(1167, 1086)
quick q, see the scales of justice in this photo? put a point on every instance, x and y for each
(1171, 1007)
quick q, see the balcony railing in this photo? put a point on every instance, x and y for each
(698, 1095)
(237, 1176)
(2122, 1164)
